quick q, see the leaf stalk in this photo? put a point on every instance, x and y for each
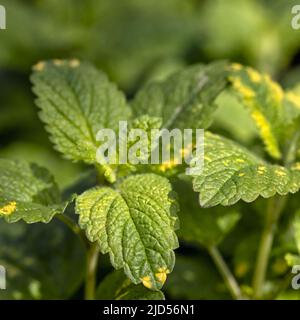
(228, 277)
(91, 271)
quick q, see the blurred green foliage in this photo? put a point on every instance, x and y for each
(136, 41)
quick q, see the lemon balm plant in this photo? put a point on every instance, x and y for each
(133, 211)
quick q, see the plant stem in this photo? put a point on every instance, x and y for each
(292, 150)
(275, 206)
(226, 273)
(91, 268)
(74, 227)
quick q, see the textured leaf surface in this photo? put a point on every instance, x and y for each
(167, 168)
(27, 192)
(116, 286)
(185, 99)
(76, 101)
(197, 225)
(135, 225)
(272, 110)
(232, 173)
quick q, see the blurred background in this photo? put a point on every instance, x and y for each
(133, 41)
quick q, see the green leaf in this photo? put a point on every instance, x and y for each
(134, 223)
(147, 124)
(116, 286)
(64, 172)
(205, 226)
(272, 110)
(185, 99)
(167, 168)
(41, 261)
(231, 173)
(233, 119)
(27, 192)
(76, 101)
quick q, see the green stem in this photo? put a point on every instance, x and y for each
(292, 150)
(91, 268)
(228, 277)
(74, 227)
(275, 207)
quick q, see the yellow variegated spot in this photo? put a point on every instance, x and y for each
(236, 66)
(74, 63)
(239, 160)
(40, 66)
(168, 165)
(258, 92)
(238, 85)
(8, 209)
(161, 275)
(254, 75)
(280, 172)
(226, 163)
(293, 98)
(296, 166)
(146, 281)
(261, 169)
(276, 90)
(186, 151)
(241, 269)
(265, 129)
(58, 62)
(241, 174)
